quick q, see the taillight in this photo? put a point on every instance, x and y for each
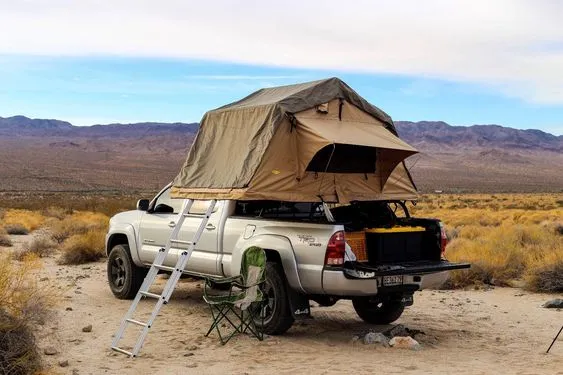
(443, 239)
(335, 249)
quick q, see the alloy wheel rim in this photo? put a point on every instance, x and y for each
(118, 272)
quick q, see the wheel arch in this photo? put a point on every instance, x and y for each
(123, 235)
(278, 249)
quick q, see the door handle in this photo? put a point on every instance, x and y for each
(210, 227)
(171, 224)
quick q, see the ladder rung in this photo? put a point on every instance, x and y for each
(122, 351)
(137, 322)
(194, 215)
(164, 268)
(182, 242)
(149, 294)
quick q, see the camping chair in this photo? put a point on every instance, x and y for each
(242, 305)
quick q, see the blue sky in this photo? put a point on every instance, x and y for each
(132, 61)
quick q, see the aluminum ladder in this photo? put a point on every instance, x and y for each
(150, 278)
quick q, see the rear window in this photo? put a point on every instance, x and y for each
(280, 210)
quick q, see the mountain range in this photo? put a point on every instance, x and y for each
(54, 155)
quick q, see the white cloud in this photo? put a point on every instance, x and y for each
(514, 46)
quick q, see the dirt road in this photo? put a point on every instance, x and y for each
(501, 330)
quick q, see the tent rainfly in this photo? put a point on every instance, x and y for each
(309, 142)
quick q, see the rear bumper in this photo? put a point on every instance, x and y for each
(354, 270)
(359, 280)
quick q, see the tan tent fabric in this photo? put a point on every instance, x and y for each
(261, 146)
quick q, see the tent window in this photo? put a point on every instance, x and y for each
(345, 159)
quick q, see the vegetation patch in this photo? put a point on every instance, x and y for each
(5, 238)
(83, 248)
(17, 218)
(16, 229)
(505, 237)
(23, 304)
(40, 247)
(77, 223)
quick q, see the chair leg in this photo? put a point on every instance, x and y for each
(220, 312)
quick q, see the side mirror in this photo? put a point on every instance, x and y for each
(163, 209)
(143, 204)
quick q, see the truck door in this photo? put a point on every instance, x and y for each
(157, 225)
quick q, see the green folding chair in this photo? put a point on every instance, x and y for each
(242, 305)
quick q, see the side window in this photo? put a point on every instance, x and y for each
(164, 199)
(200, 207)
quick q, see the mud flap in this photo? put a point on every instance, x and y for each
(406, 299)
(299, 305)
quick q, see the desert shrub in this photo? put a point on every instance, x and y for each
(18, 351)
(30, 220)
(16, 229)
(77, 223)
(83, 248)
(23, 303)
(56, 212)
(41, 247)
(545, 274)
(4, 238)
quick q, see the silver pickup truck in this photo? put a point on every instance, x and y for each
(310, 252)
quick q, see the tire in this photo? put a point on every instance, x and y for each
(277, 313)
(124, 277)
(376, 312)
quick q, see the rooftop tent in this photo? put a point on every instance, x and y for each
(302, 143)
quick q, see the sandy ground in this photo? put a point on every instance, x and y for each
(501, 330)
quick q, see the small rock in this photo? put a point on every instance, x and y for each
(554, 304)
(50, 350)
(68, 309)
(404, 342)
(63, 363)
(193, 347)
(372, 338)
(44, 279)
(398, 330)
(189, 354)
(88, 328)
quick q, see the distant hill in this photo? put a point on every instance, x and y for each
(38, 154)
(483, 157)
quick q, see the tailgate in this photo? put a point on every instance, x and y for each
(357, 270)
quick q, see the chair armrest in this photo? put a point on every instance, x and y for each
(226, 280)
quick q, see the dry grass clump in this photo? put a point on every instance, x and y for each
(545, 273)
(5, 238)
(56, 212)
(83, 248)
(30, 220)
(78, 223)
(23, 303)
(505, 237)
(16, 229)
(41, 247)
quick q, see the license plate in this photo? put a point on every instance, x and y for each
(392, 280)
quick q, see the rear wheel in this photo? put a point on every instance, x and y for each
(378, 312)
(276, 314)
(124, 277)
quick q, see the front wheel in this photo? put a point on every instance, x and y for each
(378, 312)
(124, 277)
(274, 317)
